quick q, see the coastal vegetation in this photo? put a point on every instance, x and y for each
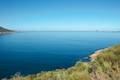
(103, 66)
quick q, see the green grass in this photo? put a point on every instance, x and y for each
(105, 67)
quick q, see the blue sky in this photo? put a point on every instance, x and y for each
(60, 15)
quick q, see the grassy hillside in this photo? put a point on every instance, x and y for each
(105, 67)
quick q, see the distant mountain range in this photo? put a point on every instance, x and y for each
(5, 30)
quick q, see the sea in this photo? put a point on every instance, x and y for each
(32, 52)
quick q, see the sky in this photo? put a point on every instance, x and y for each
(60, 15)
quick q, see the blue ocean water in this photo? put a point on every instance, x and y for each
(32, 52)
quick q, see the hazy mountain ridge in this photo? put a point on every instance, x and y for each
(5, 30)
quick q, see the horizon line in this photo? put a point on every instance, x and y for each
(65, 31)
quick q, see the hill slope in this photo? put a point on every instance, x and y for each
(106, 66)
(4, 29)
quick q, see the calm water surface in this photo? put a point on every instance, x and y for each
(32, 52)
